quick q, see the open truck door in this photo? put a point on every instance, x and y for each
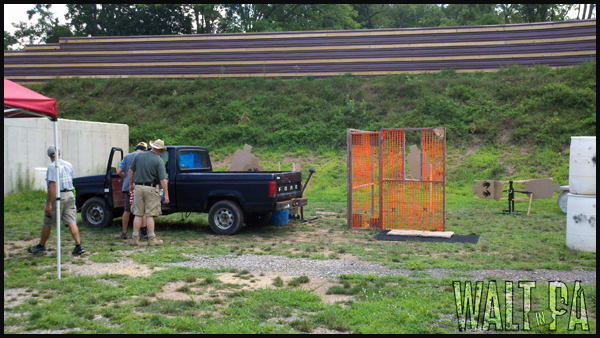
(100, 207)
(113, 183)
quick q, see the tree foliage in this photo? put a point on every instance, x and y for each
(161, 19)
(46, 29)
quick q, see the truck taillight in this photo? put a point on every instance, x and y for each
(272, 189)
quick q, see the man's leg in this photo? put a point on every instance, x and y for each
(150, 224)
(137, 223)
(144, 228)
(125, 220)
(45, 234)
(152, 239)
(74, 232)
(40, 248)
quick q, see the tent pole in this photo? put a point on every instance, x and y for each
(57, 197)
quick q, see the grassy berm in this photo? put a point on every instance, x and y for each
(515, 123)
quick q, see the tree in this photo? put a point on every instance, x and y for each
(472, 14)
(286, 17)
(46, 29)
(367, 14)
(529, 13)
(591, 10)
(9, 40)
(206, 16)
(160, 19)
(123, 19)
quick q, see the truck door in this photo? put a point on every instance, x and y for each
(113, 183)
(190, 190)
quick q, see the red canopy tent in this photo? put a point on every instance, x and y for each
(22, 102)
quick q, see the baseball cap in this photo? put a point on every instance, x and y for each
(141, 145)
(52, 150)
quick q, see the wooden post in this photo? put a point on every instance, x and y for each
(430, 188)
(486, 206)
(530, 199)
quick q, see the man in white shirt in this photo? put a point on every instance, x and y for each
(68, 210)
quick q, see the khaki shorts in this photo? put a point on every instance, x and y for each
(146, 201)
(68, 211)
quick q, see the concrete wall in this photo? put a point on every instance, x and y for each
(85, 144)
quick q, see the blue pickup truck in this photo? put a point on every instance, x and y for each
(231, 199)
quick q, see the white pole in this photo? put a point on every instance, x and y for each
(57, 197)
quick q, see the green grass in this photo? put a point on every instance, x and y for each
(378, 304)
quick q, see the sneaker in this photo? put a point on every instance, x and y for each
(144, 232)
(38, 249)
(155, 241)
(123, 235)
(135, 240)
(78, 250)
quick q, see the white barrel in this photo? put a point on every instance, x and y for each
(582, 165)
(39, 179)
(581, 222)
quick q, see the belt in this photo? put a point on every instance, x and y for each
(66, 190)
(146, 184)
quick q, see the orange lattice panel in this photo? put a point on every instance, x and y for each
(364, 180)
(380, 193)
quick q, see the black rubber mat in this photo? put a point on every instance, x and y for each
(382, 236)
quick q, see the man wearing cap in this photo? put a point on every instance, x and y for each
(123, 171)
(147, 169)
(68, 211)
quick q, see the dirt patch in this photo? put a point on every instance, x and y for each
(319, 287)
(323, 330)
(14, 297)
(224, 163)
(12, 247)
(169, 291)
(125, 266)
(250, 281)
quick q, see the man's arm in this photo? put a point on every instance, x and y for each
(130, 175)
(51, 196)
(121, 167)
(165, 186)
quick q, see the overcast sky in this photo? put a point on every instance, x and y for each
(16, 13)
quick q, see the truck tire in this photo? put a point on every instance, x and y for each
(225, 218)
(257, 219)
(95, 214)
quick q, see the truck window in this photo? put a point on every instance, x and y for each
(193, 159)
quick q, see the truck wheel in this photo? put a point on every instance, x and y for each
(257, 219)
(95, 214)
(225, 218)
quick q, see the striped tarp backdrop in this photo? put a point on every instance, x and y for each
(316, 53)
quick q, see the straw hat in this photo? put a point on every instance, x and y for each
(158, 144)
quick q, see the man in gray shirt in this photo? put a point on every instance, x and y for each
(68, 211)
(146, 170)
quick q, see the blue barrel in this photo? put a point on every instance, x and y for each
(279, 217)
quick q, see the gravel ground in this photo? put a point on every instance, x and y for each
(333, 267)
